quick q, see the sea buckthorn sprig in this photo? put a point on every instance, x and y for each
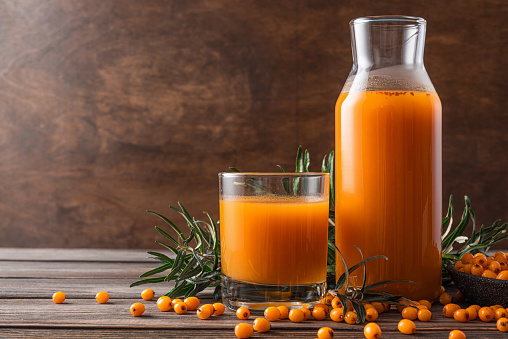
(194, 268)
(480, 240)
(356, 298)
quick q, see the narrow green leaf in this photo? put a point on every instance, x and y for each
(170, 223)
(344, 302)
(167, 246)
(360, 311)
(364, 268)
(217, 293)
(165, 234)
(345, 281)
(147, 281)
(330, 166)
(306, 161)
(342, 278)
(161, 257)
(156, 270)
(234, 169)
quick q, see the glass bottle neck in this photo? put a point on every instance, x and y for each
(385, 41)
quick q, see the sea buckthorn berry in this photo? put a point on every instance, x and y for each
(175, 301)
(473, 313)
(211, 308)
(477, 307)
(272, 313)
(445, 298)
(477, 269)
(456, 334)
(406, 326)
(502, 324)
(164, 303)
(147, 294)
(503, 275)
(378, 306)
(318, 313)
(336, 303)
(203, 313)
(337, 314)
(284, 312)
(325, 333)
(137, 309)
(486, 314)
(442, 290)
(327, 300)
(243, 313)
(467, 268)
(219, 308)
(449, 310)
(387, 307)
(58, 297)
(371, 314)
(367, 306)
(489, 274)
(495, 267)
(424, 315)
(261, 325)
(489, 260)
(422, 307)
(296, 315)
(500, 259)
(426, 303)
(410, 313)
(503, 266)
(306, 313)
(323, 306)
(500, 313)
(495, 307)
(458, 265)
(479, 254)
(461, 315)
(499, 253)
(244, 330)
(459, 297)
(102, 297)
(180, 308)
(466, 257)
(372, 331)
(350, 317)
(479, 261)
(192, 303)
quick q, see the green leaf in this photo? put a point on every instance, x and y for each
(170, 223)
(364, 268)
(156, 270)
(147, 281)
(161, 257)
(167, 246)
(360, 311)
(177, 265)
(306, 161)
(165, 234)
(343, 277)
(344, 282)
(234, 169)
(217, 293)
(330, 166)
(344, 301)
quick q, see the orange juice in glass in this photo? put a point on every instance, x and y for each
(274, 236)
(388, 159)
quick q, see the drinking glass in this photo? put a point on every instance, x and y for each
(274, 238)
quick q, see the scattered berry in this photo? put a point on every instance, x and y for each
(219, 308)
(261, 325)
(306, 313)
(410, 313)
(372, 331)
(337, 314)
(371, 314)
(137, 309)
(175, 301)
(424, 315)
(147, 294)
(180, 308)
(296, 315)
(406, 326)
(325, 333)
(318, 313)
(203, 313)
(284, 312)
(192, 303)
(102, 297)
(272, 313)
(486, 314)
(426, 303)
(58, 297)
(461, 315)
(244, 330)
(502, 324)
(459, 297)
(212, 308)
(449, 310)
(445, 298)
(243, 313)
(456, 334)
(500, 313)
(164, 303)
(378, 306)
(473, 312)
(350, 317)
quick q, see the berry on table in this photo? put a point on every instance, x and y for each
(147, 294)
(272, 313)
(502, 324)
(410, 313)
(243, 313)
(203, 313)
(445, 298)
(58, 297)
(244, 330)
(325, 333)
(175, 301)
(306, 313)
(486, 314)
(426, 303)
(350, 317)
(473, 312)
(461, 315)
(371, 314)
(337, 314)
(212, 308)
(449, 310)
(296, 315)
(180, 308)
(424, 315)
(164, 303)
(372, 331)
(456, 334)
(406, 326)
(102, 297)
(284, 312)
(219, 308)
(500, 313)
(318, 313)
(192, 303)
(137, 309)
(261, 325)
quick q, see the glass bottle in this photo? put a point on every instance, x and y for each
(388, 159)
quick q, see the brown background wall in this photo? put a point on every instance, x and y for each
(108, 108)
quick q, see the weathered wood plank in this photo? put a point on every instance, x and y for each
(82, 254)
(68, 270)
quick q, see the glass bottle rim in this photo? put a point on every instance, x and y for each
(394, 20)
(273, 174)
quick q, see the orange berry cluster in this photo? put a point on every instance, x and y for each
(485, 314)
(495, 267)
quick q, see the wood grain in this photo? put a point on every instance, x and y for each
(109, 108)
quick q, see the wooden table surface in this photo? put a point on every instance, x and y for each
(29, 277)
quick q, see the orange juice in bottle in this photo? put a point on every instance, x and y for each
(388, 159)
